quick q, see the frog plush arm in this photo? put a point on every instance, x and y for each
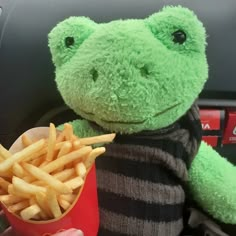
(83, 128)
(212, 184)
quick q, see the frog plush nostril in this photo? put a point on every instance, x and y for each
(144, 71)
(94, 74)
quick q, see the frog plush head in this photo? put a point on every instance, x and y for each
(131, 75)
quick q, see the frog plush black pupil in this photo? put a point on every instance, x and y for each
(179, 37)
(144, 71)
(69, 41)
(94, 74)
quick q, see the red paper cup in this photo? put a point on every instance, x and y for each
(83, 213)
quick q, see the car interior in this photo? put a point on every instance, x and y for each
(28, 93)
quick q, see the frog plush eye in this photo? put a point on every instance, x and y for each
(69, 41)
(179, 37)
(68, 36)
(179, 29)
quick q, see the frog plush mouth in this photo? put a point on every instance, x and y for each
(132, 122)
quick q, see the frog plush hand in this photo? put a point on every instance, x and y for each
(140, 79)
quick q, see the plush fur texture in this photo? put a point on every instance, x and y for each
(133, 75)
(129, 76)
(211, 175)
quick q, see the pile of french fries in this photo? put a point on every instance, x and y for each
(42, 181)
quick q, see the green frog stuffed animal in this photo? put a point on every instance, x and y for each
(140, 78)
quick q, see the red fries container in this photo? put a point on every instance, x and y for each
(83, 214)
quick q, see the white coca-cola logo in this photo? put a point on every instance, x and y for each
(206, 126)
(234, 131)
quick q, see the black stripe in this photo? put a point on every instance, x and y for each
(140, 170)
(194, 127)
(222, 119)
(219, 141)
(139, 209)
(212, 132)
(174, 148)
(106, 232)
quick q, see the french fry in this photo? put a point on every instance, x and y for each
(42, 215)
(4, 184)
(14, 192)
(74, 138)
(65, 174)
(53, 203)
(93, 155)
(32, 201)
(60, 137)
(41, 201)
(47, 178)
(64, 149)
(80, 169)
(25, 187)
(18, 170)
(10, 199)
(4, 153)
(30, 212)
(19, 156)
(75, 182)
(38, 161)
(29, 178)
(51, 142)
(69, 165)
(59, 145)
(36, 155)
(64, 204)
(39, 183)
(2, 191)
(44, 163)
(19, 206)
(106, 138)
(43, 151)
(68, 197)
(6, 174)
(77, 144)
(68, 130)
(75, 155)
(26, 141)
(37, 216)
